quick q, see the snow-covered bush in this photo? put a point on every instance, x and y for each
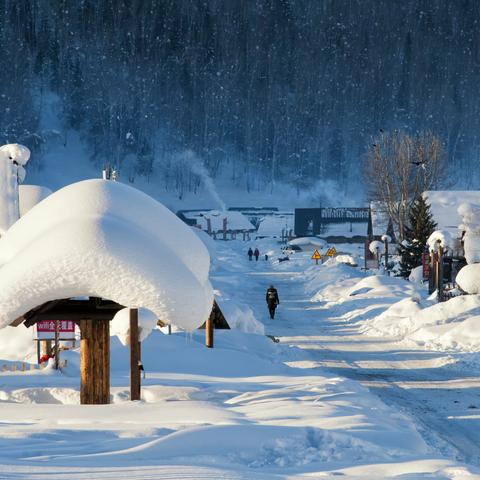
(416, 275)
(468, 278)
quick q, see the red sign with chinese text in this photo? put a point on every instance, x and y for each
(48, 326)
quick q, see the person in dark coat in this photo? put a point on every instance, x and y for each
(250, 254)
(272, 300)
(256, 253)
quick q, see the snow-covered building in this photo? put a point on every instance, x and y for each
(216, 222)
(276, 225)
(444, 207)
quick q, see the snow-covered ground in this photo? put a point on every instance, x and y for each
(359, 386)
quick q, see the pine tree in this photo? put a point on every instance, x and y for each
(421, 226)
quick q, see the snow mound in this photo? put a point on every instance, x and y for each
(241, 317)
(416, 275)
(440, 325)
(468, 278)
(105, 239)
(306, 241)
(347, 260)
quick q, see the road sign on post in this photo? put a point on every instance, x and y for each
(331, 252)
(316, 256)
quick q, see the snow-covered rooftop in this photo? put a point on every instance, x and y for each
(105, 239)
(444, 207)
(273, 225)
(235, 220)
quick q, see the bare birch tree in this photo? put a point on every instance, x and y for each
(399, 167)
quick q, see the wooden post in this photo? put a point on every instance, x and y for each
(209, 329)
(94, 362)
(385, 243)
(55, 346)
(440, 272)
(432, 282)
(134, 356)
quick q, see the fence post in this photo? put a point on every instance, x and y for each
(439, 271)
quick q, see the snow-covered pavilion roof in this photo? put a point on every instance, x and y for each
(105, 239)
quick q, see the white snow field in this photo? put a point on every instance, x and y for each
(346, 393)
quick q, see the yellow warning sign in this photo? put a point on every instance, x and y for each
(331, 252)
(316, 255)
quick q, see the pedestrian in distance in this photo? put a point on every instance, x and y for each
(266, 257)
(257, 254)
(250, 254)
(272, 300)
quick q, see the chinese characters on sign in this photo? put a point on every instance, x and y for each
(46, 329)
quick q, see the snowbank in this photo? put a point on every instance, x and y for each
(105, 239)
(308, 241)
(468, 278)
(416, 275)
(346, 259)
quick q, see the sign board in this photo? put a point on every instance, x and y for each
(425, 265)
(316, 255)
(331, 252)
(46, 330)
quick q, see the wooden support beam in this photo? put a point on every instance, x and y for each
(95, 362)
(209, 329)
(135, 386)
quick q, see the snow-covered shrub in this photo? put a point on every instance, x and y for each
(468, 278)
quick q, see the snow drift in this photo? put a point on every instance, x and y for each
(105, 239)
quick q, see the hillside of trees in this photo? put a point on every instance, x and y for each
(264, 91)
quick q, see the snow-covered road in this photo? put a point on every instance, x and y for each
(353, 405)
(440, 392)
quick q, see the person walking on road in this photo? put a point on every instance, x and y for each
(272, 300)
(250, 254)
(257, 254)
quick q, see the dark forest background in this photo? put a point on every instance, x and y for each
(260, 90)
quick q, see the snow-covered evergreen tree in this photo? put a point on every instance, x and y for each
(421, 226)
